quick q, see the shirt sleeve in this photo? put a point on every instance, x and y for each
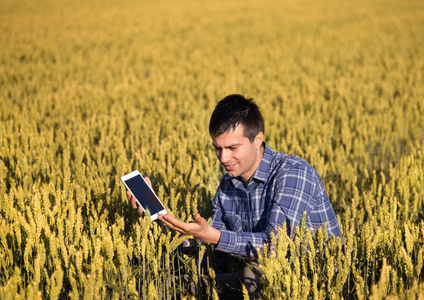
(294, 194)
(301, 190)
(323, 212)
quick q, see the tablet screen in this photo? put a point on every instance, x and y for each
(144, 194)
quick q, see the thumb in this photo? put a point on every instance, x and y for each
(198, 218)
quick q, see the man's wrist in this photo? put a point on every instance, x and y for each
(214, 235)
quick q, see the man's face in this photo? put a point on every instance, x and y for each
(237, 154)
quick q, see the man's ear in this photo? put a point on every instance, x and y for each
(259, 138)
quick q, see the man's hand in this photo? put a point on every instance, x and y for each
(131, 198)
(199, 229)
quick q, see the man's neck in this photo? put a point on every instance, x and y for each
(261, 152)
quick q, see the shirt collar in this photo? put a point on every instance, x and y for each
(264, 168)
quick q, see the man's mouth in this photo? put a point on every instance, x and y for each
(230, 167)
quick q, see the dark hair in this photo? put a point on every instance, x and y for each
(234, 110)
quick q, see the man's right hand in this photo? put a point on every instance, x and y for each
(131, 198)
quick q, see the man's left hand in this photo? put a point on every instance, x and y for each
(199, 229)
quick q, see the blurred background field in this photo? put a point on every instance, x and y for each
(91, 90)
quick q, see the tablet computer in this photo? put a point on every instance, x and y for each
(143, 193)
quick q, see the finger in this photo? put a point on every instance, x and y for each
(148, 181)
(175, 224)
(134, 203)
(174, 221)
(169, 224)
(140, 210)
(131, 198)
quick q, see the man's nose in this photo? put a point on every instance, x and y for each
(225, 155)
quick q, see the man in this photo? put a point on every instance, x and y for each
(261, 190)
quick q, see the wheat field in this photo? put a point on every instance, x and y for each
(91, 90)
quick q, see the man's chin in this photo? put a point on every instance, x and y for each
(233, 174)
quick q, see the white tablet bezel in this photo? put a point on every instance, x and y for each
(136, 173)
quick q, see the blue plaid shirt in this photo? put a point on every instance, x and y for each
(282, 188)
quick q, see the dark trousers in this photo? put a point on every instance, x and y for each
(232, 272)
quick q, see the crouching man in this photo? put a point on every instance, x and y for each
(261, 190)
